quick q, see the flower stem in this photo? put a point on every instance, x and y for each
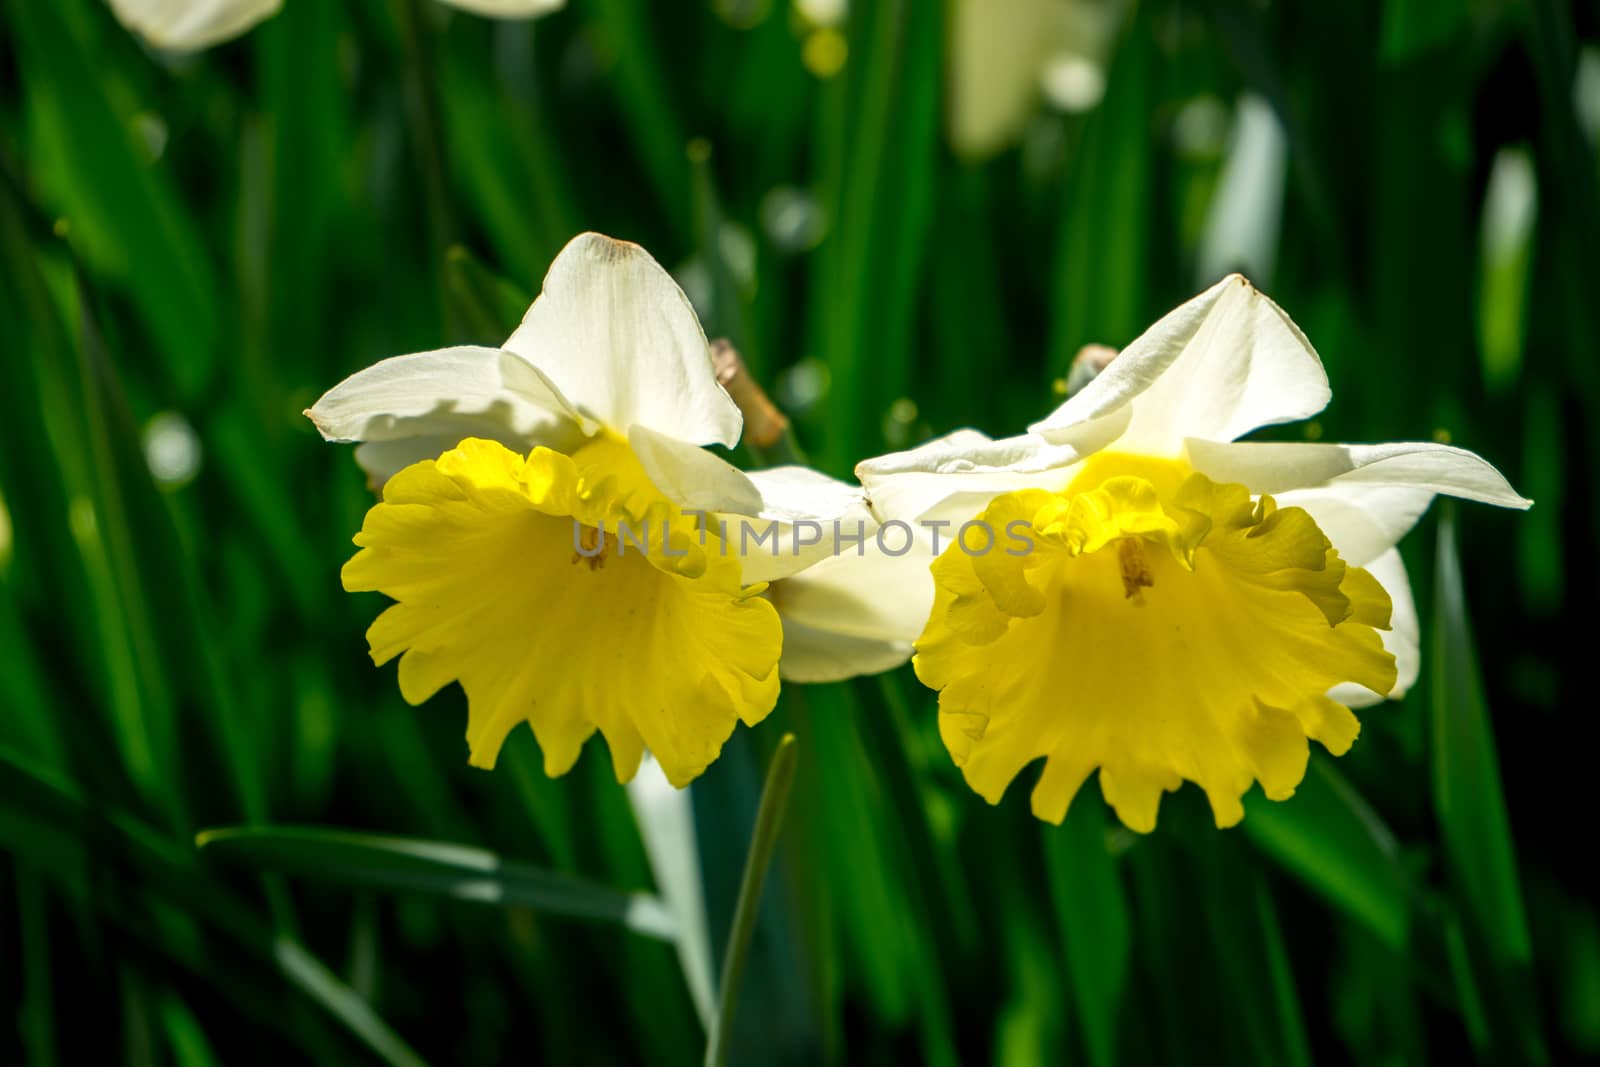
(763, 841)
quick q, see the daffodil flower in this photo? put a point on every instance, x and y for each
(555, 536)
(1162, 603)
(1002, 63)
(508, 9)
(193, 25)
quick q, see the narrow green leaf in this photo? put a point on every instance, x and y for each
(502, 154)
(68, 379)
(1411, 27)
(308, 973)
(1541, 544)
(1468, 987)
(1181, 1023)
(185, 1036)
(145, 910)
(1579, 979)
(1479, 851)
(728, 312)
(137, 1040)
(1566, 163)
(1373, 1000)
(881, 196)
(1466, 770)
(645, 94)
(291, 198)
(1252, 962)
(363, 965)
(863, 900)
(37, 1017)
(1102, 261)
(777, 1020)
(769, 821)
(30, 725)
(82, 830)
(1290, 1043)
(427, 126)
(1031, 1026)
(1092, 914)
(1331, 839)
(487, 306)
(125, 207)
(460, 872)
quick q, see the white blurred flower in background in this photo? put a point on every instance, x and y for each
(193, 25)
(1005, 59)
(1246, 211)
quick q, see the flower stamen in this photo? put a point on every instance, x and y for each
(592, 547)
(1135, 571)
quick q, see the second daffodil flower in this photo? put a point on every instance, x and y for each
(549, 527)
(1160, 603)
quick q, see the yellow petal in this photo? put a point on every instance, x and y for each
(1166, 628)
(661, 646)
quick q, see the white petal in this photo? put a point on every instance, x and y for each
(855, 612)
(811, 655)
(1362, 521)
(813, 515)
(190, 25)
(868, 593)
(791, 493)
(1402, 638)
(446, 391)
(665, 818)
(1221, 365)
(508, 9)
(382, 460)
(615, 332)
(693, 478)
(410, 408)
(778, 521)
(963, 471)
(1274, 468)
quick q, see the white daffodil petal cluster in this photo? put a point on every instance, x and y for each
(1124, 589)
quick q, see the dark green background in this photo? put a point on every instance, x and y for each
(228, 234)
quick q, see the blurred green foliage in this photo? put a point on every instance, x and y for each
(194, 247)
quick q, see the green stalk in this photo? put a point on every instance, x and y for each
(769, 820)
(428, 139)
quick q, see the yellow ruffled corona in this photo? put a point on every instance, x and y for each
(1154, 625)
(524, 579)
